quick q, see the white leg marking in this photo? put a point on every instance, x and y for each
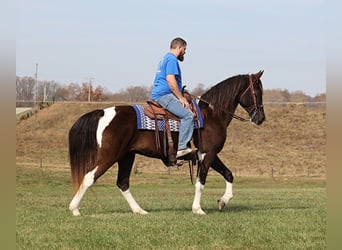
(201, 156)
(104, 121)
(229, 192)
(196, 205)
(88, 180)
(222, 202)
(132, 203)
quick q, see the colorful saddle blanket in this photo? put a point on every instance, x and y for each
(145, 122)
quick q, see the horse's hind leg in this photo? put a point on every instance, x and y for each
(88, 180)
(228, 176)
(125, 168)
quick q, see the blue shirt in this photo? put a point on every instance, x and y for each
(167, 66)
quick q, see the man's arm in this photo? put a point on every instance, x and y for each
(171, 80)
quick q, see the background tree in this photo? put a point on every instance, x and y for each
(100, 94)
(25, 87)
(299, 96)
(84, 92)
(68, 93)
(50, 88)
(320, 98)
(136, 94)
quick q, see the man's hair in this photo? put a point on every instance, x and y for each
(177, 42)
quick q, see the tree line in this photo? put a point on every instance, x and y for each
(27, 93)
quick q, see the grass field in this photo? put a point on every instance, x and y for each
(265, 213)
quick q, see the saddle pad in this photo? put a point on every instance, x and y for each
(145, 122)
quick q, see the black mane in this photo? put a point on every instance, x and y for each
(220, 96)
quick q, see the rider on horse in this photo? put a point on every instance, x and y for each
(167, 91)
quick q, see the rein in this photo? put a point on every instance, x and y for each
(229, 113)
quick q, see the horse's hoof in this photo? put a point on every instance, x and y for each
(221, 204)
(198, 211)
(75, 212)
(141, 211)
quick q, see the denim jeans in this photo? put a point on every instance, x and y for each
(186, 127)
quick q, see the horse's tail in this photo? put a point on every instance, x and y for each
(83, 146)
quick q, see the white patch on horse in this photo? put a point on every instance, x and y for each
(132, 203)
(196, 205)
(223, 201)
(88, 180)
(104, 121)
(201, 156)
(229, 192)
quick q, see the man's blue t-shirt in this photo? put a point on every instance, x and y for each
(167, 66)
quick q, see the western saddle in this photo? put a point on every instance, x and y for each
(156, 112)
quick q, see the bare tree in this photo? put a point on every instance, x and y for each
(49, 88)
(24, 88)
(84, 92)
(276, 95)
(68, 93)
(136, 93)
(320, 98)
(100, 94)
(299, 96)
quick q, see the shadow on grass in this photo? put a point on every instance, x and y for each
(242, 208)
(208, 211)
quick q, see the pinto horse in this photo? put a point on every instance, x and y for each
(102, 137)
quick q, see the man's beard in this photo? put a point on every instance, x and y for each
(180, 58)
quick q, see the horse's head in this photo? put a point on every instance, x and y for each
(251, 98)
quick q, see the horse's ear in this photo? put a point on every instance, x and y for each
(257, 76)
(260, 73)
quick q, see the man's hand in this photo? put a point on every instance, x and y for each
(185, 102)
(171, 80)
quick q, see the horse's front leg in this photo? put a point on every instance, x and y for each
(228, 176)
(203, 167)
(196, 205)
(125, 168)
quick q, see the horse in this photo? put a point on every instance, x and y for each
(102, 137)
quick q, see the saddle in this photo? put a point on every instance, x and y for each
(156, 112)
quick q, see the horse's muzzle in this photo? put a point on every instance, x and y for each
(258, 116)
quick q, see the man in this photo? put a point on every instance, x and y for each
(167, 91)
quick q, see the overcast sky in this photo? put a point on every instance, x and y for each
(119, 43)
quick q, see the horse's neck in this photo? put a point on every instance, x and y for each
(222, 114)
(224, 111)
(230, 112)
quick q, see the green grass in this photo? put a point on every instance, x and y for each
(265, 213)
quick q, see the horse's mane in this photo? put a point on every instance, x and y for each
(221, 94)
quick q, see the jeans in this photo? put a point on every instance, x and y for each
(186, 127)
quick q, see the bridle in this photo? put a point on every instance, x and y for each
(254, 106)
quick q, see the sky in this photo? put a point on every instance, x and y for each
(118, 44)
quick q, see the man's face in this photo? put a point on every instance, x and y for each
(181, 53)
